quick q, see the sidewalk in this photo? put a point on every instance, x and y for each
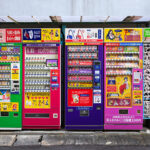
(62, 137)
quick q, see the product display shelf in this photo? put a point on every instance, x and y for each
(80, 74)
(4, 79)
(122, 52)
(80, 66)
(80, 87)
(80, 81)
(1, 71)
(9, 61)
(37, 69)
(118, 73)
(82, 58)
(9, 53)
(121, 66)
(123, 59)
(34, 76)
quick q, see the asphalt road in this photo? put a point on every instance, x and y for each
(91, 147)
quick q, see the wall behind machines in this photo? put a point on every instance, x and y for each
(73, 25)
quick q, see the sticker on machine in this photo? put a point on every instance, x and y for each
(9, 106)
(15, 78)
(37, 100)
(80, 97)
(4, 95)
(97, 96)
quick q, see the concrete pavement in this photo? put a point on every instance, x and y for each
(74, 138)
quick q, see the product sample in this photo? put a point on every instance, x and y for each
(42, 82)
(84, 79)
(123, 79)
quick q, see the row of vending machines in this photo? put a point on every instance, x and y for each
(103, 78)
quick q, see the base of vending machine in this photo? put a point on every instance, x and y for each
(84, 127)
(123, 127)
(41, 127)
(13, 129)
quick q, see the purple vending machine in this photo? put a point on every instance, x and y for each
(84, 79)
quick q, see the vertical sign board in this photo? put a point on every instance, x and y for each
(146, 41)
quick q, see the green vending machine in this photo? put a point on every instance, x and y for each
(10, 79)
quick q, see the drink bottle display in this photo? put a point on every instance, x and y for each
(123, 79)
(41, 79)
(10, 79)
(84, 79)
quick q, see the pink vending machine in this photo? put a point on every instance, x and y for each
(42, 79)
(123, 55)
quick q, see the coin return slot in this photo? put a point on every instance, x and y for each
(98, 108)
(37, 115)
(123, 111)
(138, 111)
(15, 114)
(4, 114)
(70, 110)
(84, 112)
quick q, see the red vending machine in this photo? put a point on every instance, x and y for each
(41, 79)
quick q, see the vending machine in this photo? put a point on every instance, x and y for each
(146, 67)
(84, 79)
(123, 64)
(41, 78)
(10, 79)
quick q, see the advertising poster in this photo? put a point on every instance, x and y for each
(80, 97)
(37, 100)
(50, 35)
(9, 106)
(123, 35)
(15, 78)
(31, 35)
(73, 84)
(4, 95)
(146, 35)
(137, 97)
(2, 35)
(15, 71)
(83, 35)
(118, 92)
(13, 35)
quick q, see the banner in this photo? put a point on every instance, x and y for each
(2, 35)
(37, 100)
(122, 35)
(50, 35)
(10, 35)
(31, 35)
(83, 35)
(13, 35)
(41, 35)
(80, 97)
(146, 35)
(9, 106)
